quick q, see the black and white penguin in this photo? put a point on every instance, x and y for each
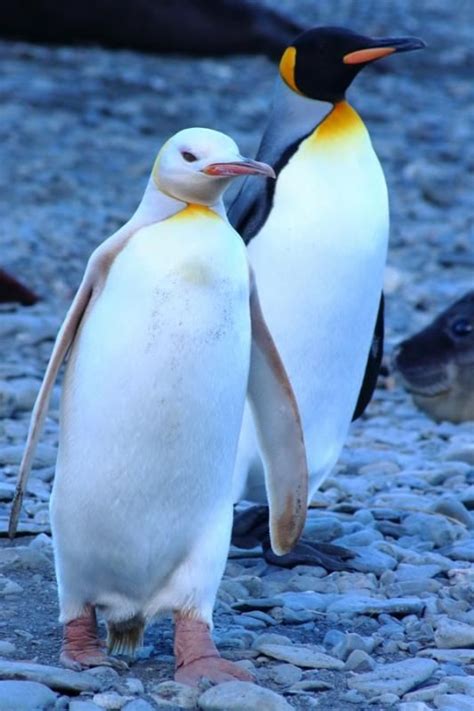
(317, 240)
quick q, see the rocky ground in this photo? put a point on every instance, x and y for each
(80, 128)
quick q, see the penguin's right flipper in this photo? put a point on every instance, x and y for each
(279, 432)
(62, 345)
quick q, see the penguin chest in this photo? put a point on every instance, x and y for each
(161, 361)
(319, 262)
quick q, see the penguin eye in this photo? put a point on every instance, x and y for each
(188, 157)
(461, 327)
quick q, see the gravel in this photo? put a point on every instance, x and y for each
(80, 128)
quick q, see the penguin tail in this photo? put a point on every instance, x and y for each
(126, 636)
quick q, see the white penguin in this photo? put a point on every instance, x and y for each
(317, 240)
(165, 338)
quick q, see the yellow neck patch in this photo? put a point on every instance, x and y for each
(343, 123)
(193, 211)
(287, 69)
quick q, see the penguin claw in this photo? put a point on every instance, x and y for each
(215, 669)
(80, 661)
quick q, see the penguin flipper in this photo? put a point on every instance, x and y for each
(374, 362)
(279, 432)
(62, 345)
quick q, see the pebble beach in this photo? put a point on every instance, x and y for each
(80, 127)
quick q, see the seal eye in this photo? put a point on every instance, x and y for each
(188, 157)
(461, 327)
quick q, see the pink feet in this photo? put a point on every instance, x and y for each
(81, 645)
(215, 669)
(197, 656)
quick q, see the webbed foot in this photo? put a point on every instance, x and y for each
(197, 656)
(82, 647)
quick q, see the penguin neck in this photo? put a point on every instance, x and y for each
(156, 206)
(295, 116)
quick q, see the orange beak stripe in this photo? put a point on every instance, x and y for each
(367, 55)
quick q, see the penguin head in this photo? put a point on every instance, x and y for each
(197, 164)
(322, 62)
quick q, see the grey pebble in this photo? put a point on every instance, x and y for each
(451, 634)
(241, 696)
(396, 678)
(78, 705)
(110, 700)
(360, 661)
(285, 673)
(138, 705)
(170, 693)
(300, 656)
(454, 702)
(361, 605)
(55, 677)
(26, 696)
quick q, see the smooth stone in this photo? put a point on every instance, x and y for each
(360, 661)
(427, 693)
(456, 656)
(362, 605)
(7, 649)
(110, 700)
(386, 699)
(310, 685)
(449, 506)
(396, 678)
(460, 684)
(285, 673)
(371, 560)
(270, 638)
(405, 571)
(300, 656)
(138, 705)
(26, 696)
(351, 642)
(54, 677)
(241, 696)
(434, 528)
(170, 693)
(306, 601)
(463, 550)
(6, 491)
(323, 528)
(460, 453)
(77, 705)
(454, 702)
(414, 706)
(451, 634)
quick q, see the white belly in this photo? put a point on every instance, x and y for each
(151, 410)
(319, 263)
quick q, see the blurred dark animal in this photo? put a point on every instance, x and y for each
(437, 364)
(12, 291)
(200, 27)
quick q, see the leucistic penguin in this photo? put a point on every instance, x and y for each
(165, 339)
(317, 240)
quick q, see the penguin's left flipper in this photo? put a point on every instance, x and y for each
(374, 361)
(62, 345)
(279, 432)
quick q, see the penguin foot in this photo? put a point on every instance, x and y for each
(82, 647)
(306, 552)
(197, 656)
(250, 528)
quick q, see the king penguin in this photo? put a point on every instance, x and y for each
(317, 240)
(165, 339)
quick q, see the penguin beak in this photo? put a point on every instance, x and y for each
(382, 47)
(243, 166)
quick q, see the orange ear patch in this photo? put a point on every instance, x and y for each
(367, 55)
(287, 68)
